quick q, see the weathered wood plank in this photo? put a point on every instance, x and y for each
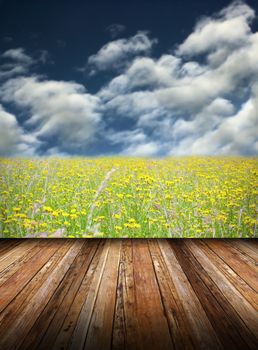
(63, 297)
(248, 272)
(126, 326)
(174, 310)
(17, 253)
(16, 306)
(8, 244)
(128, 294)
(10, 288)
(249, 250)
(228, 326)
(154, 331)
(13, 337)
(252, 244)
(17, 264)
(99, 333)
(245, 311)
(203, 334)
(81, 329)
(59, 335)
(249, 294)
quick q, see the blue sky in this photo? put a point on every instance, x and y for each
(138, 78)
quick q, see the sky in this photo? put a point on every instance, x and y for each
(131, 78)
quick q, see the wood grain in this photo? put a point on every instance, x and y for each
(128, 294)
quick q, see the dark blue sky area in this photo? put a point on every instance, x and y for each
(71, 31)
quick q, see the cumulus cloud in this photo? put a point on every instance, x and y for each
(115, 53)
(135, 142)
(18, 62)
(13, 140)
(185, 105)
(230, 28)
(18, 55)
(236, 134)
(9, 70)
(144, 72)
(187, 86)
(57, 110)
(200, 99)
(142, 149)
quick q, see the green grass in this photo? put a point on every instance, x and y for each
(129, 197)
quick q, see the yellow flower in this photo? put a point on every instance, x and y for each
(117, 216)
(47, 209)
(16, 209)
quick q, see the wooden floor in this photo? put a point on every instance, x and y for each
(128, 294)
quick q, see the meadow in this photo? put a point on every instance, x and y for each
(129, 197)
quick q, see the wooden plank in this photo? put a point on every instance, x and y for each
(227, 324)
(14, 336)
(81, 329)
(174, 310)
(251, 244)
(202, 332)
(16, 253)
(17, 264)
(125, 330)
(249, 250)
(8, 244)
(61, 300)
(17, 305)
(99, 335)
(9, 248)
(245, 311)
(60, 331)
(246, 271)
(238, 251)
(154, 331)
(14, 285)
(249, 294)
(128, 294)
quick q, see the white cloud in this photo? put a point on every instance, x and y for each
(148, 149)
(126, 137)
(237, 134)
(132, 104)
(18, 55)
(229, 28)
(61, 111)
(13, 140)
(216, 112)
(135, 142)
(183, 105)
(116, 53)
(173, 104)
(8, 71)
(18, 63)
(144, 72)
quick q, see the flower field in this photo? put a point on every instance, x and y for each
(129, 197)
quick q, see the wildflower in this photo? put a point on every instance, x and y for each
(16, 209)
